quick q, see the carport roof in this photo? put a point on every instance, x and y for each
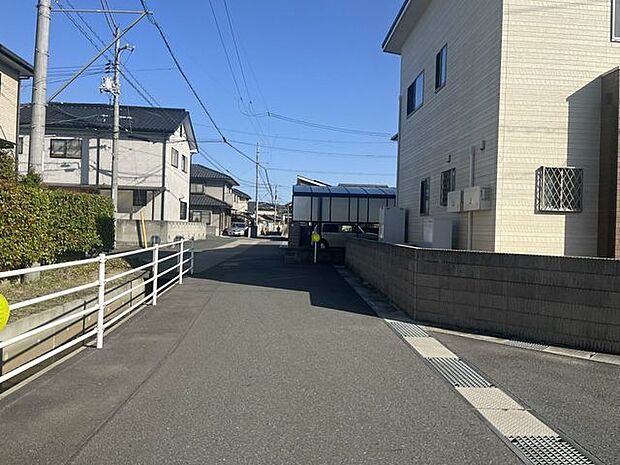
(342, 191)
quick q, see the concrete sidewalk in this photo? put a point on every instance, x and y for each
(250, 362)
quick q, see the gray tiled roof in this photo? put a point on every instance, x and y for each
(199, 201)
(202, 173)
(241, 194)
(98, 116)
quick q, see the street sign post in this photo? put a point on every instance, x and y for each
(316, 238)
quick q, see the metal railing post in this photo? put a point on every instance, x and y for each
(181, 261)
(155, 272)
(191, 262)
(101, 301)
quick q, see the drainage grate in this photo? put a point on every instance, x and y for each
(407, 329)
(527, 345)
(459, 373)
(549, 451)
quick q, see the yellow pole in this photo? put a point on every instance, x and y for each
(143, 223)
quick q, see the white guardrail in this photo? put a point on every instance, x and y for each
(179, 267)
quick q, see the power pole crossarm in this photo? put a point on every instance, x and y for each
(39, 88)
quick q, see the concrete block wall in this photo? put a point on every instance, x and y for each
(566, 301)
(128, 232)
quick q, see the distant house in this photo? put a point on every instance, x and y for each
(215, 200)
(13, 70)
(155, 153)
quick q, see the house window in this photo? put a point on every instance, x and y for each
(197, 188)
(175, 158)
(425, 197)
(183, 210)
(66, 148)
(20, 146)
(441, 68)
(559, 190)
(207, 218)
(448, 184)
(415, 94)
(139, 198)
(184, 163)
(196, 217)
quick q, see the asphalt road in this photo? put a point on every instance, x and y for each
(257, 362)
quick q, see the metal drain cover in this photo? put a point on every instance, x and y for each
(459, 373)
(527, 345)
(406, 329)
(549, 451)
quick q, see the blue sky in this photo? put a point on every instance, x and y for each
(318, 61)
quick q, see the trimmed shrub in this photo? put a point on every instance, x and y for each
(43, 225)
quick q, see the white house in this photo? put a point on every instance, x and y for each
(508, 128)
(155, 150)
(13, 69)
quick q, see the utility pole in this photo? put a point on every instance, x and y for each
(116, 92)
(39, 87)
(256, 188)
(275, 207)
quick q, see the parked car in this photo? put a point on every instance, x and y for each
(237, 229)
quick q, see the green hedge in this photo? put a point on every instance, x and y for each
(44, 225)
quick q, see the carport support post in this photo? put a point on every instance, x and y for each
(155, 272)
(181, 261)
(316, 248)
(101, 301)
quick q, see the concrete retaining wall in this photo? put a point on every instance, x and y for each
(128, 232)
(22, 352)
(573, 302)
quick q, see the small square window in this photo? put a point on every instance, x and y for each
(197, 188)
(196, 216)
(175, 158)
(66, 148)
(415, 94)
(441, 68)
(425, 197)
(448, 184)
(559, 190)
(139, 198)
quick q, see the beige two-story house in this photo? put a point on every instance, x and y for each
(13, 69)
(508, 116)
(155, 150)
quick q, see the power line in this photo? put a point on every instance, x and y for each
(335, 154)
(108, 16)
(232, 33)
(344, 173)
(322, 126)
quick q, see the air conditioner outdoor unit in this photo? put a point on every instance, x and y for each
(455, 201)
(476, 198)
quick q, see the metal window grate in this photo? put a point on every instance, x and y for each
(448, 183)
(407, 329)
(559, 190)
(459, 373)
(549, 451)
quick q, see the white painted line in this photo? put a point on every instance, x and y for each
(489, 399)
(429, 347)
(513, 423)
